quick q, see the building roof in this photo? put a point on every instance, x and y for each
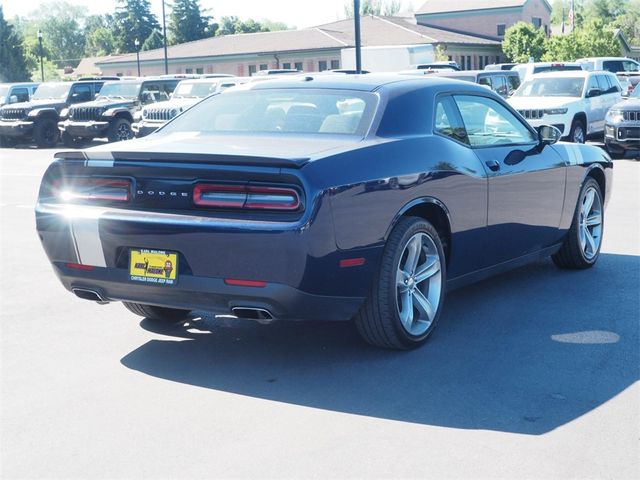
(447, 6)
(375, 31)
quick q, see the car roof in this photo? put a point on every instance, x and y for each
(20, 84)
(367, 83)
(477, 72)
(570, 74)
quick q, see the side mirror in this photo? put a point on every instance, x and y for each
(594, 92)
(95, 97)
(13, 99)
(548, 135)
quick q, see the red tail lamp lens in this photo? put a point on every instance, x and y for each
(79, 266)
(247, 197)
(244, 283)
(94, 189)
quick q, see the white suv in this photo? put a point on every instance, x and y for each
(574, 102)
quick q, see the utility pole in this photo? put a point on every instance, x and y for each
(356, 22)
(41, 53)
(137, 44)
(164, 39)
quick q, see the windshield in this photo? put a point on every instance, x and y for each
(556, 68)
(52, 91)
(636, 92)
(194, 89)
(551, 87)
(280, 111)
(3, 90)
(120, 89)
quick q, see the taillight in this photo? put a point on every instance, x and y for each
(249, 197)
(94, 189)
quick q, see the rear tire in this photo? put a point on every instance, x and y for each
(407, 295)
(120, 130)
(581, 247)
(577, 134)
(46, 133)
(160, 314)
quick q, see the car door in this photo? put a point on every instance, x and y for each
(611, 91)
(595, 102)
(526, 182)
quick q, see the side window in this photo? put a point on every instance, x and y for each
(447, 121)
(613, 66)
(593, 83)
(81, 93)
(485, 81)
(513, 82)
(151, 93)
(631, 66)
(21, 93)
(488, 123)
(500, 86)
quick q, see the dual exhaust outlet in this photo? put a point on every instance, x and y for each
(252, 313)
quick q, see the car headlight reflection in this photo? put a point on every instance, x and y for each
(615, 116)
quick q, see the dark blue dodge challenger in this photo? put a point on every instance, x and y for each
(328, 198)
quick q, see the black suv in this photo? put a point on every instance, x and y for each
(112, 113)
(37, 119)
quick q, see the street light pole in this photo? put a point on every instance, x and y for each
(164, 39)
(41, 62)
(136, 42)
(356, 21)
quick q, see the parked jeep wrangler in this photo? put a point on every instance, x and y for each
(112, 113)
(37, 119)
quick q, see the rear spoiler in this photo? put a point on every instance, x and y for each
(108, 158)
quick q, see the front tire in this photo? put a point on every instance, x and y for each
(46, 133)
(120, 130)
(581, 247)
(407, 295)
(159, 314)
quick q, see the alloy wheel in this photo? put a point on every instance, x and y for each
(124, 132)
(578, 134)
(590, 223)
(418, 284)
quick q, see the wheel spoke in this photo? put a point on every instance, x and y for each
(583, 237)
(593, 220)
(427, 269)
(423, 305)
(413, 255)
(406, 314)
(401, 277)
(590, 241)
(588, 202)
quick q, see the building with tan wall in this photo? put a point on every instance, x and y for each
(311, 49)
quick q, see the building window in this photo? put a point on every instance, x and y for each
(286, 65)
(450, 58)
(537, 22)
(264, 66)
(335, 64)
(200, 70)
(486, 60)
(188, 70)
(501, 28)
(252, 69)
(322, 65)
(298, 66)
(546, 30)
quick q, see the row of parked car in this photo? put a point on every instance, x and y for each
(581, 99)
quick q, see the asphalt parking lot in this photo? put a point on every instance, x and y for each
(532, 374)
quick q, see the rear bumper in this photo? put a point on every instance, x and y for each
(210, 294)
(142, 129)
(298, 261)
(18, 128)
(84, 129)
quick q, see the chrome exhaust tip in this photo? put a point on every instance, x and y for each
(91, 295)
(252, 313)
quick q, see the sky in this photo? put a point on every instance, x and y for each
(298, 13)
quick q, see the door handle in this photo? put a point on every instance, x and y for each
(493, 165)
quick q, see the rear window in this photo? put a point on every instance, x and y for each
(284, 111)
(556, 68)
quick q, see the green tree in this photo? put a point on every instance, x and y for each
(374, 7)
(153, 41)
(629, 22)
(62, 33)
(133, 19)
(100, 42)
(13, 64)
(232, 24)
(594, 39)
(523, 41)
(187, 23)
(606, 10)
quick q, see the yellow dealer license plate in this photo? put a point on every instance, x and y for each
(153, 266)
